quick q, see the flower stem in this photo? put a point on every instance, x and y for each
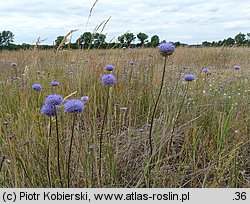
(154, 111)
(58, 149)
(101, 136)
(152, 123)
(70, 148)
(48, 153)
(177, 116)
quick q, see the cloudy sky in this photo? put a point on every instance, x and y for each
(188, 21)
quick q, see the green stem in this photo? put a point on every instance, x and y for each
(154, 111)
(101, 136)
(48, 153)
(70, 148)
(58, 149)
(179, 111)
(177, 117)
(152, 123)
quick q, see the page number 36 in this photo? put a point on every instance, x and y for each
(240, 196)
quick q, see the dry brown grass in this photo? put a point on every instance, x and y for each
(210, 141)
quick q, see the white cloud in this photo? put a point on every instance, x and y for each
(191, 21)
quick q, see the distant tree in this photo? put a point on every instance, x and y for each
(121, 39)
(230, 41)
(6, 38)
(85, 40)
(155, 40)
(213, 44)
(58, 40)
(206, 43)
(177, 44)
(129, 37)
(220, 43)
(99, 40)
(142, 37)
(240, 39)
(248, 39)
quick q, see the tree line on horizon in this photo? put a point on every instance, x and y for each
(96, 40)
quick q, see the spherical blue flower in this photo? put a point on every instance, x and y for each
(84, 98)
(236, 67)
(54, 99)
(74, 105)
(189, 77)
(205, 70)
(166, 49)
(109, 67)
(108, 79)
(131, 63)
(37, 87)
(54, 83)
(49, 110)
(13, 64)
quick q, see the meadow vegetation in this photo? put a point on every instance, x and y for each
(201, 128)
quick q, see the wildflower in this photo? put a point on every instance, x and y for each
(49, 110)
(131, 63)
(13, 64)
(205, 70)
(73, 105)
(140, 129)
(109, 67)
(236, 67)
(108, 79)
(54, 99)
(123, 108)
(189, 77)
(166, 49)
(36, 87)
(84, 98)
(54, 83)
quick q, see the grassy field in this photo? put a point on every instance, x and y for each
(201, 129)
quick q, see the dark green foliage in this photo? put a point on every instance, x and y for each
(142, 37)
(96, 40)
(6, 38)
(155, 40)
(58, 40)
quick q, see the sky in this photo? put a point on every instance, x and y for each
(187, 21)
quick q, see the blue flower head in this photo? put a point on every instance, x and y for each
(205, 70)
(108, 79)
(36, 87)
(13, 64)
(236, 67)
(189, 77)
(74, 105)
(166, 49)
(49, 110)
(54, 83)
(84, 98)
(54, 99)
(109, 67)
